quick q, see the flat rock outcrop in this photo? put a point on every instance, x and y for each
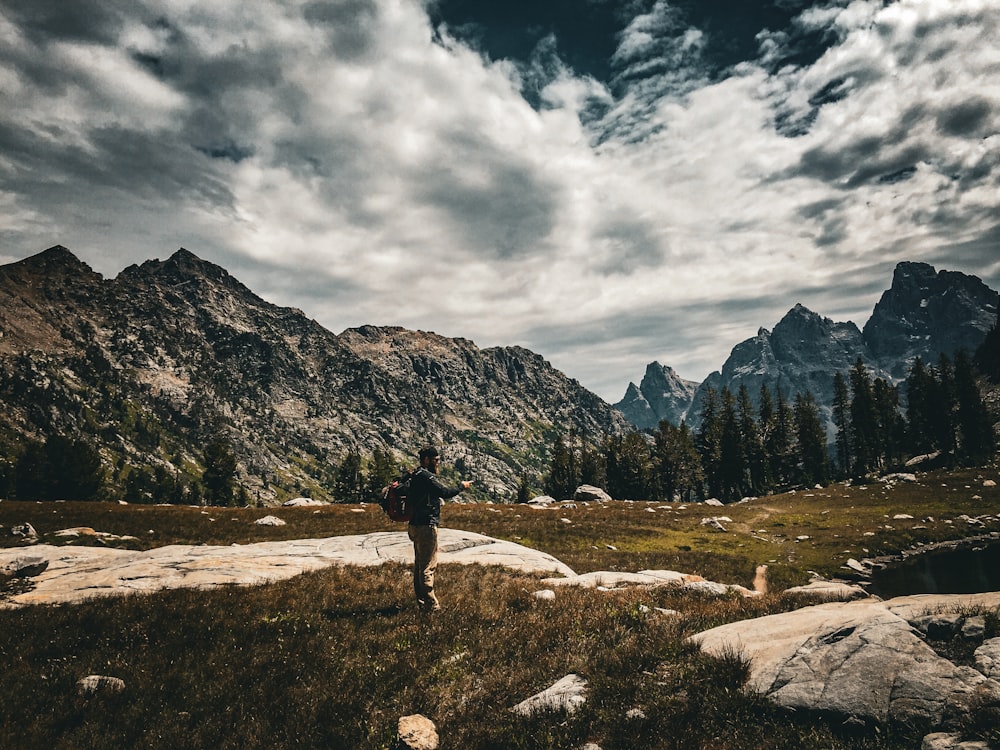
(863, 661)
(70, 574)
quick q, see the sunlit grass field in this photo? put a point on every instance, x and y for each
(332, 659)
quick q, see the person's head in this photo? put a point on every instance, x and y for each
(429, 458)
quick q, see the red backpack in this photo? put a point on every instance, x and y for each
(394, 499)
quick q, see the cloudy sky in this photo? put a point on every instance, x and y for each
(606, 182)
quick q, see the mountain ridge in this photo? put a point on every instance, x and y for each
(924, 313)
(168, 355)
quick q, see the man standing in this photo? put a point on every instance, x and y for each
(425, 496)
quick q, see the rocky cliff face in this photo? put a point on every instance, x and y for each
(170, 354)
(924, 314)
(800, 354)
(662, 394)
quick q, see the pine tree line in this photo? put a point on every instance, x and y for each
(742, 448)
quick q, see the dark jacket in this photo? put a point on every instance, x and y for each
(425, 495)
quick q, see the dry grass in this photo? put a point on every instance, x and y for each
(332, 659)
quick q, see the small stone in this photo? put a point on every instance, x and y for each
(568, 694)
(269, 521)
(95, 683)
(974, 628)
(666, 612)
(545, 595)
(417, 732)
(25, 530)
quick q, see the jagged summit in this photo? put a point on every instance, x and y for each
(662, 394)
(183, 265)
(924, 314)
(56, 260)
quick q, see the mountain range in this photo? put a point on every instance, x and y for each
(170, 355)
(925, 313)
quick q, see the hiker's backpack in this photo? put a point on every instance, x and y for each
(394, 499)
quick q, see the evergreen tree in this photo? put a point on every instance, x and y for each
(891, 429)
(781, 444)
(59, 469)
(943, 407)
(677, 470)
(921, 390)
(593, 468)
(381, 472)
(632, 476)
(709, 442)
(976, 443)
(811, 440)
(864, 421)
(523, 489)
(219, 477)
(842, 421)
(562, 479)
(349, 485)
(689, 473)
(753, 446)
(733, 470)
(987, 359)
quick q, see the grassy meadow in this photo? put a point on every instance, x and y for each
(332, 659)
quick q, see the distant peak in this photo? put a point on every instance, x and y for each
(184, 258)
(55, 259)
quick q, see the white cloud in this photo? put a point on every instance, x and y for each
(335, 157)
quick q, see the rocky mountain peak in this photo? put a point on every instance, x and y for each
(926, 313)
(57, 261)
(182, 267)
(662, 394)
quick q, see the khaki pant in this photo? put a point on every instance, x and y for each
(425, 545)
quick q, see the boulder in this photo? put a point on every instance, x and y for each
(974, 628)
(940, 626)
(946, 741)
(95, 683)
(24, 566)
(542, 500)
(590, 493)
(861, 661)
(416, 732)
(568, 694)
(302, 502)
(270, 521)
(987, 658)
(25, 531)
(833, 591)
(76, 573)
(605, 580)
